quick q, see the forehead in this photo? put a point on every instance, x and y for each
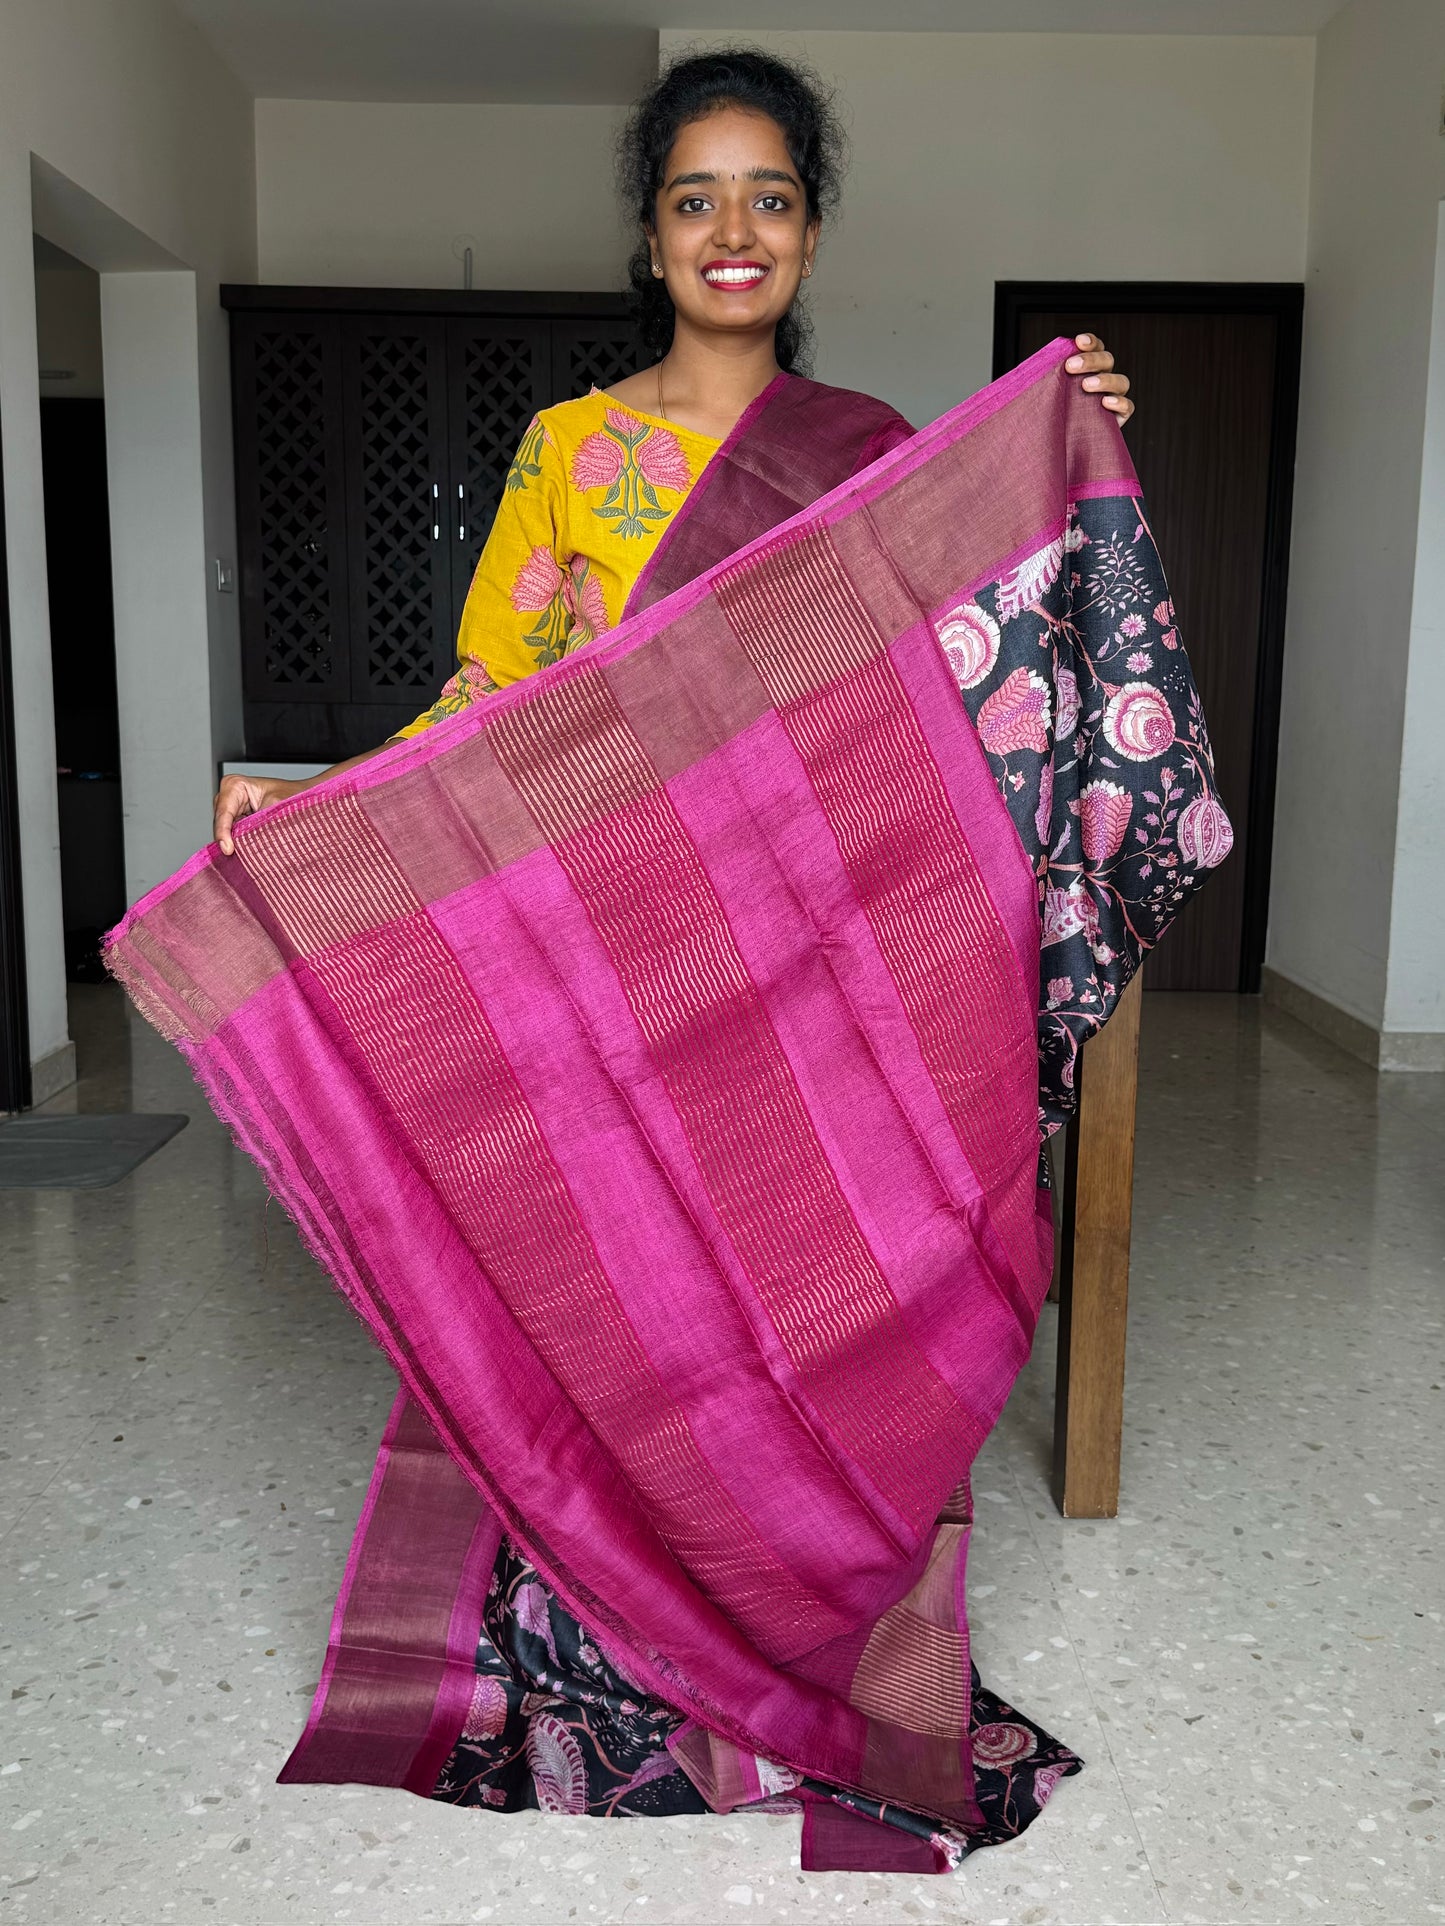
(726, 141)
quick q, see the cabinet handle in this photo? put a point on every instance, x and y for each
(461, 513)
(436, 509)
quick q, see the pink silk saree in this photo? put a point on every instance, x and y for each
(653, 1056)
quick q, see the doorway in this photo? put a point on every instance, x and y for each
(82, 627)
(1216, 366)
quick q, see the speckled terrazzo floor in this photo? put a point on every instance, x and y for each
(1249, 1657)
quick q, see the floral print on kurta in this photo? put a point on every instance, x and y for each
(590, 489)
(1071, 666)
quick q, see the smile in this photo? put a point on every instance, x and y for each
(729, 274)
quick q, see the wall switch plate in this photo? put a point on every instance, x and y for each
(225, 577)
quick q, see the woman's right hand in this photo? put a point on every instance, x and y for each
(242, 796)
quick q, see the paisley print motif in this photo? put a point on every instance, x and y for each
(556, 1762)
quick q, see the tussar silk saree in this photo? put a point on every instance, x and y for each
(657, 1055)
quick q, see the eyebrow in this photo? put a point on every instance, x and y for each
(752, 174)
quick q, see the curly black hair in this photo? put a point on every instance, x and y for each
(700, 84)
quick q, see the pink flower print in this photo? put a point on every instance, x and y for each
(1132, 625)
(1002, 1744)
(1043, 815)
(1061, 988)
(1045, 1779)
(1104, 811)
(1016, 715)
(1139, 661)
(473, 681)
(1170, 638)
(631, 459)
(970, 639)
(1069, 912)
(487, 1713)
(662, 461)
(1138, 722)
(586, 604)
(538, 580)
(555, 1759)
(1205, 833)
(1023, 585)
(1164, 613)
(1068, 687)
(773, 1778)
(599, 460)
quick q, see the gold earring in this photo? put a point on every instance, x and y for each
(656, 269)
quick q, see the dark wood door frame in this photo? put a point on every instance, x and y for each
(1284, 300)
(14, 1006)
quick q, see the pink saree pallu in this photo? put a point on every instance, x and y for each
(656, 1055)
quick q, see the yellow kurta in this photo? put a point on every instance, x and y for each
(591, 489)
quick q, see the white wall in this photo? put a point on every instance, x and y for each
(157, 490)
(1356, 914)
(67, 320)
(145, 155)
(361, 194)
(1415, 980)
(984, 157)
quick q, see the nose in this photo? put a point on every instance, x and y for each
(733, 230)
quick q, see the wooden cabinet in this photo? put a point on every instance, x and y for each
(373, 432)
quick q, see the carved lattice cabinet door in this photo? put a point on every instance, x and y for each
(498, 379)
(593, 353)
(291, 507)
(398, 520)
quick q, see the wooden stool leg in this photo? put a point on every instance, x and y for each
(1094, 1269)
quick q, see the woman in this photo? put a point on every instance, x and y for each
(729, 164)
(614, 500)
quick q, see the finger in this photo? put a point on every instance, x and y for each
(1114, 384)
(1091, 345)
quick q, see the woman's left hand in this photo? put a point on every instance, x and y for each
(1095, 364)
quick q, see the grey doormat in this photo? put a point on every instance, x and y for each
(85, 1152)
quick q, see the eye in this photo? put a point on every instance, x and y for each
(692, 204)
(773, 203)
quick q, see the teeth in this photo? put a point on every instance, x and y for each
(734, 275)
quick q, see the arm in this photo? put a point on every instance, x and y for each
(243, 795)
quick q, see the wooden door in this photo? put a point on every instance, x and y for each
(498, 375)
(14, 1007)
(593, 353)
(373, 436)
(398, 518)
(290, 509)
(1215, 371)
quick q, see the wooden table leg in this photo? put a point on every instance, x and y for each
(1093, 1272)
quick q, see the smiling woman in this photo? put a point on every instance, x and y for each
(773, 1467)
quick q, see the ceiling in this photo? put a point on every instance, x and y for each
(603, 51)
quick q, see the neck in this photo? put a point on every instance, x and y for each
(708, 380)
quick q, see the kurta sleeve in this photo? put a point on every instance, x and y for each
(517, 617)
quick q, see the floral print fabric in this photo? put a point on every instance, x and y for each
(590, 489)
(1071, 666)
(554, 1725)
